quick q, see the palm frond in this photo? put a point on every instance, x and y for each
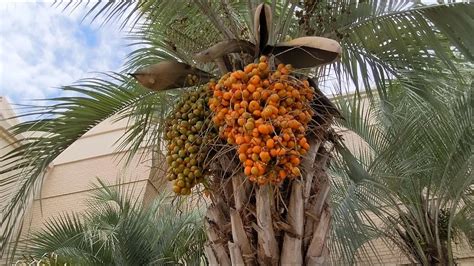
(418, 175)
(55, 128)
(117, 230)
(64, 235)
(397, 45)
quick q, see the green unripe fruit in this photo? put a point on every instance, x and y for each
(187, 132)
(186, 171)
(185, 191)
(180, 183)
(197, 173)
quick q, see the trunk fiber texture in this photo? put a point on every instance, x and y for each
(271, 225)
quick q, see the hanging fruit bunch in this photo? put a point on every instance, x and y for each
(265, 113)
(263, 109)
(188, 133)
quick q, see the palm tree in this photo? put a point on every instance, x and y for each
(116, 230)
(290, 223)
(411, 179)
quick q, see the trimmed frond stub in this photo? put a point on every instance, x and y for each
(306, 52)
(262, 26)
(322, 105)
(223, 48)
(169, 75)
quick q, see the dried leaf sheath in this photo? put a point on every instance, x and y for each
(170, 75)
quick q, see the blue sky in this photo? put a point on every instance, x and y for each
(43, 47)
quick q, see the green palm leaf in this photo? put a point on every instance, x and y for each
(394, 45)
(416, 180)
(117, 230)
(57, 126)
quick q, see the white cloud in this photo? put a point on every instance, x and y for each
(42, 48)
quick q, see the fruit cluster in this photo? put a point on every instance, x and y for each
(188, 133)
(265, 113)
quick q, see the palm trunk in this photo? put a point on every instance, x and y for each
(269, 225)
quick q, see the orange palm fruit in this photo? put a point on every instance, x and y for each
(236, 86)
(296, 171)
(282, 174)
(295, 94)
(274, 152)
(270, 144)
(263, 129)
(251, 88)
(282, 93)
(247, 138)
(239, 140)
(278, 86)
(285, 71)
(295, 160)
(260, 168)
(256, 149)
(281, 151)
(306, 146)
(291, 144)
(256, 95)
(254, 105)
(265, 156)
(255, 79)
(248, 68)
(236, 106)
(256, 141)
(227, 95)
(274, 98)
(247, 170)
(243, 148)
(302, 141)
(257, 113)
(266, 113)
(266, 94)
(255, 133)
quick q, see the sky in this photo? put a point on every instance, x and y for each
(43, 47)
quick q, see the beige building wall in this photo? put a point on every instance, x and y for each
(7, 140)
(7, 144)
(69, 179)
